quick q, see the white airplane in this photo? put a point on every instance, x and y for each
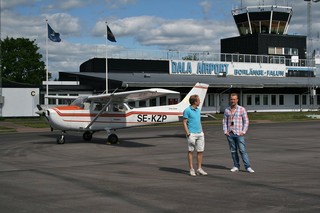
(108, 112)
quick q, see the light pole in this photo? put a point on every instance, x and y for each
(309, 31)
(310, 50)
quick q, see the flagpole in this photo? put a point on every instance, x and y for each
(47, 62)
(106, 58)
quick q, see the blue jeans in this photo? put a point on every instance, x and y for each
(237, 143)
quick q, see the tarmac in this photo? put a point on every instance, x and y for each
(148, 172)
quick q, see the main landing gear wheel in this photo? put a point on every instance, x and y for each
(113, 139)
(87, 136)
(61, 140)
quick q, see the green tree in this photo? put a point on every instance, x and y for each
(21, 62)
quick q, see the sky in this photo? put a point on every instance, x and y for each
(138, 25)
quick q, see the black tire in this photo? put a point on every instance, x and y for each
(61, 140)
(113, 139)
(87, 136)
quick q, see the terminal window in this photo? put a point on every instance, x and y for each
(153, 102)
(296, 100)
(63, 101)
(281, 99)
(211, 100)
(172, 101)
(249, 100)
(273, 100)
(142, 103)
(265, 99)
(163, 100)
(311, 100)
(304, 99)
(257, 99)
(282, 51)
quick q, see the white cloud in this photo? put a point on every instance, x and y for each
(64, 23)
(206, 7)
(183, 33)
(14, 25)
(119, 3)
(8, 4)
(66, 4)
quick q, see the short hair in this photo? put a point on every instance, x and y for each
(234, 94)
(193, 98)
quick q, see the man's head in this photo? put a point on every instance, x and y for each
(233, 99)
(194, 100)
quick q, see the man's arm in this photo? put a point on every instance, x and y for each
(224, 123)
(185, 126)
(245, 121)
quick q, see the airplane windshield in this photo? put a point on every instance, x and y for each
(85, 103)
(130, 105)
(79, 101)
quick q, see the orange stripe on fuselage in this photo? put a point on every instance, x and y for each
(68, 108)
(75, 114)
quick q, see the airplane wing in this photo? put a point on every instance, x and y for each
(135, 95)
(64, 97)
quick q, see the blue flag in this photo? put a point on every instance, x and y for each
(52, 35)
(110, 35)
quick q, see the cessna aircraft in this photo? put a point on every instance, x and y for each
(108, 112)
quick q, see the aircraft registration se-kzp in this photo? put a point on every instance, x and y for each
(108, 112)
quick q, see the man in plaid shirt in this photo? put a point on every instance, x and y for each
(235, 125)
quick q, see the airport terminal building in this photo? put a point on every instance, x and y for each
(268, 68)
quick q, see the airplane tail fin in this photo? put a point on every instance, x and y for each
(199, 89)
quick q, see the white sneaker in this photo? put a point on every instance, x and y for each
(201, 172)
(192, 172)
(234, 169)
(250, 170)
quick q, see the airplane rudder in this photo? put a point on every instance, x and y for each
(203, 88)
(198, 89)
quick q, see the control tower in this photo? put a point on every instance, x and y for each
(263, 19)
(263, 30)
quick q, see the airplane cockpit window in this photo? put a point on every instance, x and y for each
(128, 106)
(131, 104)
(79, 102)
(119, 107)
(98, 106)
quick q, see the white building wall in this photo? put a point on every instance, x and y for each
(20, 102)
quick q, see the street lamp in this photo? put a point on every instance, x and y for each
(309, 46)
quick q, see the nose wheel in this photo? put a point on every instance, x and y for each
(61, 140)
